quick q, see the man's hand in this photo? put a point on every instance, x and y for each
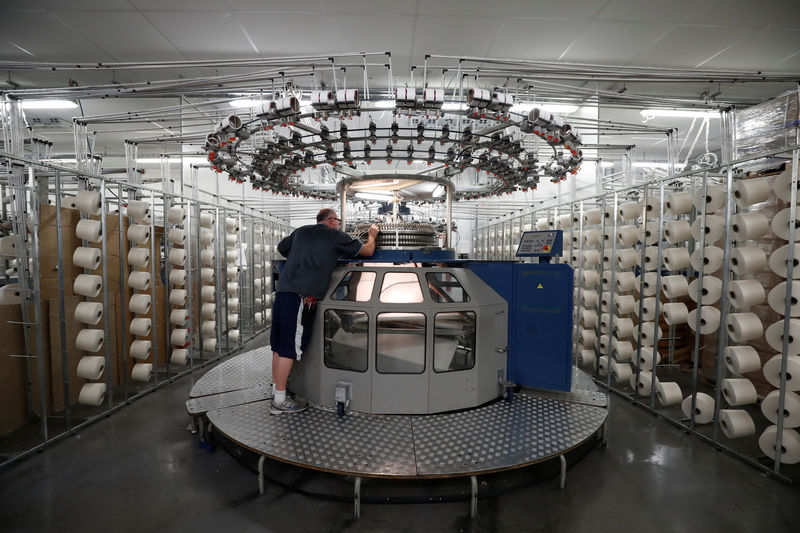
(369, 248)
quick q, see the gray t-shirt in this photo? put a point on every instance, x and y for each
(311, 254)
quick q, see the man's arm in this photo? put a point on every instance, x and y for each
(369, 248)
(286, 245)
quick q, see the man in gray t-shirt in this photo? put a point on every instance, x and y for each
(311, 254)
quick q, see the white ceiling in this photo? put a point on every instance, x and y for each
(686, 34)
(736, 34)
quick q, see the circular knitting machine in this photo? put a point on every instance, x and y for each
(408, 372)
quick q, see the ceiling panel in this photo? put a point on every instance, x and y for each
(186, 6)
(296, 6)
(389, 7)
(282, 34)
(763, 49)
(650, 11)
(533, 39)
(72, 4)
(126, 36)
(688, 46)
(789, 17)
(584, 9)
(44, 36)
(606, 41)
(386, 34)
(460, 36)
(740, 13)
(203, 34)
(464, 7)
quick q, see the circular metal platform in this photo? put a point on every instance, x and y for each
(536, 426)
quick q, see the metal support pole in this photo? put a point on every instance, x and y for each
(187, 227)
(612, 289)
(658, 296)
(153, 259)
(218, 276)
(698, 313)
(563, 477)
(261, 475)
(722, 334)
(357, 497)
(449, 217)
(787, 311)
(106, 328)
(62, 310)
(37, 298)
(473, 505)
(577, 304)
(123, 298)
(642, 277)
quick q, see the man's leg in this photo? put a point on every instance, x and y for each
(281, 368)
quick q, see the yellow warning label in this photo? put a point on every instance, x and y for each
(540, 286)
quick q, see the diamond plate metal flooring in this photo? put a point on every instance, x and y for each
(536, 426)
(369, 445)
(250, 369)
(203, 404)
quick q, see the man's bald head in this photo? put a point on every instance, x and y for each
(325, 214)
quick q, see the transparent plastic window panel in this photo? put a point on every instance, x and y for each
(355, 287)
(400, 343)
(454, 341)
(345, 346)
(445, 288)
(401, 288)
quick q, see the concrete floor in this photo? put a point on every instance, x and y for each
(141, 470)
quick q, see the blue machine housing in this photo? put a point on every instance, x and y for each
(539, 300)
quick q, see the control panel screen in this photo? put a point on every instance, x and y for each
(546, 243)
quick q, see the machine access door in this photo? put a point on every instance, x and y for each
(540, 352)
(399, 379)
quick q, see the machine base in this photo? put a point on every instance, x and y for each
(535, 426)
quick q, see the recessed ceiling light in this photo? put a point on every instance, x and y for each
(374, 196)
(48, 104)
(682, 113)
(244, 102)
(564, 109)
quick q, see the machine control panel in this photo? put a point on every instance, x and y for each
(540, 243)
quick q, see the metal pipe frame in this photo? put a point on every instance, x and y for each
(62, 310)
(642, 276)
(25, 194)
(122, 297)
(722, 334)
(188, 227)
(690, 424)
(678, 176)
(153, 294)
(106, 325)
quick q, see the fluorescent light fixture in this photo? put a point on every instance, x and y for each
(454, 106)
(374, 196)
(173, 160)
(384, 104)
(48, 104)
(245, 102)
(438, 191)
(372, 184)
(526, 107)
(606, 164)
(656, 164)
(681, 113)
